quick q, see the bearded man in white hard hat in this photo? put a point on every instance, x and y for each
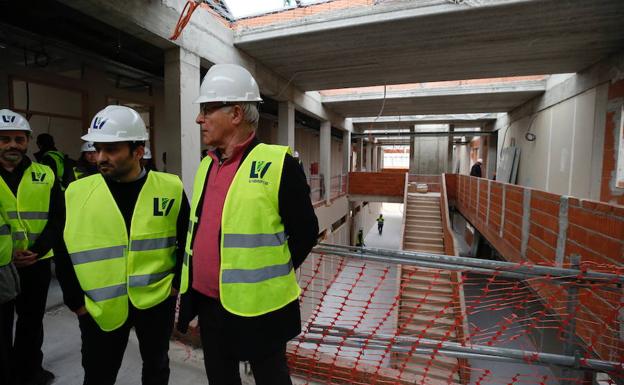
(125, 232)
(252, 225)
(32, 203)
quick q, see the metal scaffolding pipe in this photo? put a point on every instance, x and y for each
(531, 271)
(478, 351)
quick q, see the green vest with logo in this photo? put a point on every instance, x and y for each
(6, 244)
(27, 212)
(256, 273)
(112, 266)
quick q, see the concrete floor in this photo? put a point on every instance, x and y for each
(61, 349)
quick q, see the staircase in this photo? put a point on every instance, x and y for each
(427, 308)
(423, 224)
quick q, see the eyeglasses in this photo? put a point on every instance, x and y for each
(207, 108)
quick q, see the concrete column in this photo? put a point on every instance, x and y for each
(346, 152)
(325, 161)
(360, 154)
(181, 141)
(380, 158)
(369, 156)
(412, 154)
(286, 124)
(449, 153)
(375, 164)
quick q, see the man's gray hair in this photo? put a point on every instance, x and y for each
(250, 113)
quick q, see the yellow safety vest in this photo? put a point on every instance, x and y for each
(28, 212)
(111, 266)
(6, 245)
(256, 273)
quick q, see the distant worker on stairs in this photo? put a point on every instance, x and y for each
(476, 168)
(380, 223)
(360, 238)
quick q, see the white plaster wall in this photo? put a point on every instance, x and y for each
(54, 93)
(560, 159)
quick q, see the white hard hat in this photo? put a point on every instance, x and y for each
(147, 154)
(10, 120)
(116, 124)
(228, 83)
(87, 147)
(480, 160)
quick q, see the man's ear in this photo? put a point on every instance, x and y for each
(237, 114)
(139, 152)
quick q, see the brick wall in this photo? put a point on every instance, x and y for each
(608, 191)
(529, 226)
(376, 183)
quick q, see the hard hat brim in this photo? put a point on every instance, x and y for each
(206, 99)
(100, 138)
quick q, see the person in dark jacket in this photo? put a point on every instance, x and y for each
(253, 226)
(476, 168)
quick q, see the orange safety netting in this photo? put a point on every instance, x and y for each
(382, 323)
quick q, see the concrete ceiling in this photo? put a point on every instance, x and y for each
(502, 97)
(425, 41)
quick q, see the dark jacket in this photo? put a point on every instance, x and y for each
(53, 230)
(476, 170)
(252, 336)
(125, 195)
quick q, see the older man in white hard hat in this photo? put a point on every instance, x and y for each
(32, 202)
(252, 225)
(125, 232)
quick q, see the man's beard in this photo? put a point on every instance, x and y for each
(115, 173)
(13, 155)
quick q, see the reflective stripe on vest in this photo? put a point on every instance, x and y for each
(256, 272)
(111, 267)
(6, 244)
(27, 214)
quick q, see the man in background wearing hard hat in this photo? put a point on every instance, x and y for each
(125, 233)
(148, 162)
(87, 163)
(252, 226)
(33, 204)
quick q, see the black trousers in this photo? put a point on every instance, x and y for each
(6, 340)
(30, 306)
(102, 352)
(222, 363)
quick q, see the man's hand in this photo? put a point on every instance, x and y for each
(81, 311)
(24, 258)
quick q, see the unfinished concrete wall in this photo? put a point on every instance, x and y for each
(429, 154)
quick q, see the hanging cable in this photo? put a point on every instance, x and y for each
(185, 17)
